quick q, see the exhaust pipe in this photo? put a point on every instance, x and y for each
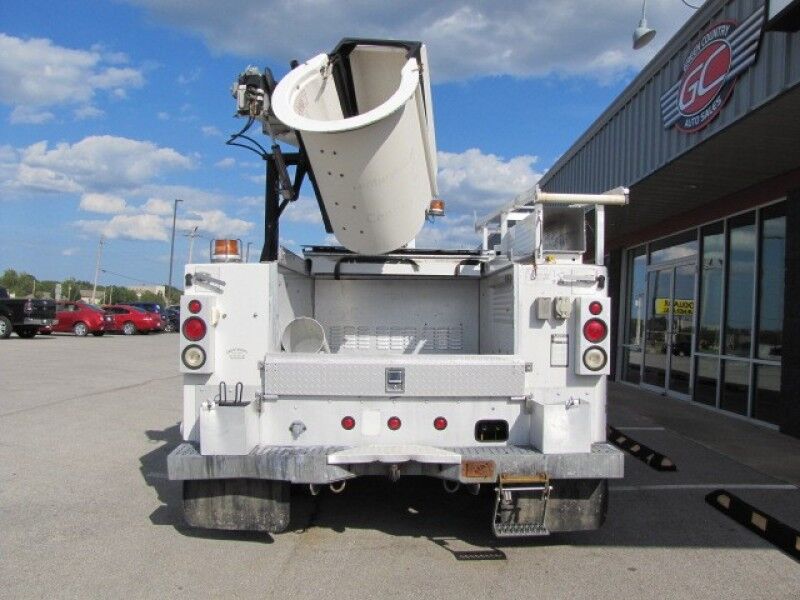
(451, 487)
(338, 486)
(314, 489)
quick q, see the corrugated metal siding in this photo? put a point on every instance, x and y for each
(630, 143)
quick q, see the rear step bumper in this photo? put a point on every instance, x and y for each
(328, 464)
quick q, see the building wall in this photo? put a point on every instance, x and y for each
(790, 377)
(629, 141)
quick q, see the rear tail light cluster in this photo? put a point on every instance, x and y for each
(593, 339)
(196, 341)
(393, 423)
(194, 329)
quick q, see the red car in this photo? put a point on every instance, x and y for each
(80, 318)
(130, 320)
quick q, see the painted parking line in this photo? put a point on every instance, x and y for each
(704, 486)
(650, 457)
(635, 428)
(768, 528)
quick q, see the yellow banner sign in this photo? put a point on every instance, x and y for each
(681, 307)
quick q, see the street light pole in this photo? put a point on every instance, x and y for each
(247, 254)
(97, 267)
(172, 248)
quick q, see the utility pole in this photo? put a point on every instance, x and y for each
(191, 235)
(97, 266)
(172, 247)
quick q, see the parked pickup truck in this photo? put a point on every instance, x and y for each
(24, 316)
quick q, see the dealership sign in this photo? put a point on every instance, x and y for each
(709, 72)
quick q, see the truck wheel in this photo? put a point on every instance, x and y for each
(237, 504)
(5, 328)
(80, 329)
(26, 332)
(129, 328)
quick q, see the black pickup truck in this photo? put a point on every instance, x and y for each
(24, 316)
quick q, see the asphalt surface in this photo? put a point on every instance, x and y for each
(86, 509)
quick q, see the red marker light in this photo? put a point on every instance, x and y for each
(194, 328)
(440, 423)
(348, 423)
(394, 423)
(595, 307)
(595, 330)
(195, 306)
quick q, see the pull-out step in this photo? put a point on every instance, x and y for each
(521, 506)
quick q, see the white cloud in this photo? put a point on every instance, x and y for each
(215, 222)
(449, 232)
(103, 203)
(94, 164)
(225, 163)
(304, 210)
(69, 252)
(36, 73)
(133, 227)
(158, 206)
(163, 116)
(30, 115)
(472, 180)
(87, 112)
(211, 131)
(466, 38)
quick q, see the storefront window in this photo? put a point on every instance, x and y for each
(767, 401)
(741, 269)
(770, 312)
(735, 386)
(637, 276)
(705, 384)
(711, 273)
(679, 246)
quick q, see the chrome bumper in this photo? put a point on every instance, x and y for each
(39, 322)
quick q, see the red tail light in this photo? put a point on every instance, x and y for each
(348, 423)
(595, 307)
(440, 423)
(394, 423)
(194, 329)
(194, 306)
(595, 330)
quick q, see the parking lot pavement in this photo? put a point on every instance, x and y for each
(86, 509)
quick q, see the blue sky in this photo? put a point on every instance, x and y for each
(109, 110)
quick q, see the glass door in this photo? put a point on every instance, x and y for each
(669, 329)
(657, 328)
(681, 329)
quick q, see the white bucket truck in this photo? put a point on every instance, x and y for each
(479, 367)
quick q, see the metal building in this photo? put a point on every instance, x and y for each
(706, 258)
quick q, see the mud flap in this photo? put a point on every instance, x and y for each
(237, 504)
(528, 506)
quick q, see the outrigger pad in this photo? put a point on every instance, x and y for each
(237, 504)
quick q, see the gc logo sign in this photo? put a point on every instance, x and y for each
(710, 71)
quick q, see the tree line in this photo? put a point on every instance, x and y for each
(24, 285)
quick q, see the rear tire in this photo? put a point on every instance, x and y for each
(5, 328)
(129, 328)
(80, 329)
(26, 332)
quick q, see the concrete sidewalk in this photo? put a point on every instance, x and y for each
(760, 448)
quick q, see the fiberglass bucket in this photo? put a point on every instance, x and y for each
(364, 113)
